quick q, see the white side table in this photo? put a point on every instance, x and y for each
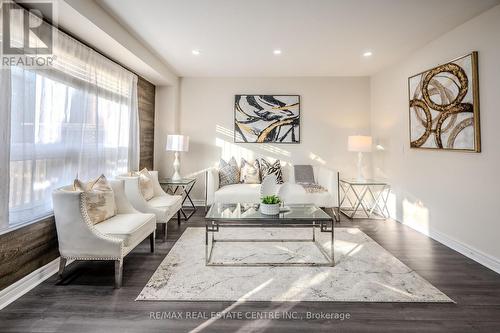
(365, 198)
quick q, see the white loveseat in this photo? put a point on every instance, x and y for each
(112, 239)
(290, 192)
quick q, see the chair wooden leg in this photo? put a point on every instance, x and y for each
(152, 242)
(62, 265)
(179, 217)
(165, 232)
(118, 273)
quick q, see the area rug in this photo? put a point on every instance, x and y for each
(364, 271)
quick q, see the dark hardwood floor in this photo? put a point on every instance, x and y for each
(85, 300)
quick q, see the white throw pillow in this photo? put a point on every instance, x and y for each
(249, 172)
(100, 201)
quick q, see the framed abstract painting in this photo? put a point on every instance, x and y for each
(267, 118)
(444, 106)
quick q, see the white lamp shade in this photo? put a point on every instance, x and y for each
(359, 143)
(177, 142)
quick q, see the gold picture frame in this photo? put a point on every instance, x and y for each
(444, 106)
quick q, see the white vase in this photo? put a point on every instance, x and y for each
(269, 209)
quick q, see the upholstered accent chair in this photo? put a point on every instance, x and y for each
(112, 239)
(162, 204)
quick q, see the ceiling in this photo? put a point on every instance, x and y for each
(316, 37)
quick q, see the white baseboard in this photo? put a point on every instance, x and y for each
(468, 251)
(30, 281)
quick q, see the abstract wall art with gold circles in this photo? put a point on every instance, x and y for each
(444, 106)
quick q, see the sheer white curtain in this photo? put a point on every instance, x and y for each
(78, 117)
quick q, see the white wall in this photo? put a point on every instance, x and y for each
(331, 109)
(166, 122)
(452, 196)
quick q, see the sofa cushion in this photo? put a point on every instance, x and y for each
(229, 173)
(249, 172)
(100, 198)
(130, 228)
(238, 193)
(267, 168)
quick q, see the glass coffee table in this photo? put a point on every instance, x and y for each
(243, 215)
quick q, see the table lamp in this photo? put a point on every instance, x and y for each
(177, 143)
(360, 144)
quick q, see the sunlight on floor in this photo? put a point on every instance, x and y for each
(395, 289)
(232, 306)
(304, 282)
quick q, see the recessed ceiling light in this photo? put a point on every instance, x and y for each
(277, 52)
(196, 52)
(368, 54)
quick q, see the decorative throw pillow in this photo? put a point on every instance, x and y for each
(267, 168)
(146, 184)
(100, 201)
(229, 173)
(249, 172)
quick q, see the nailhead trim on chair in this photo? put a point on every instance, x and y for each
(91, 258)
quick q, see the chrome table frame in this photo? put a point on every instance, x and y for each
(185, 186)
(374, 208)
(213, 225)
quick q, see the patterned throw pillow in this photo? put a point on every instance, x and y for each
(249, 172)
(229, 173)
(267, 168)
(100, 199)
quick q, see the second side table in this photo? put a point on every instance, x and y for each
(181, 187)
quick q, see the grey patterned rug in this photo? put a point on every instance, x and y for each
(364, 271)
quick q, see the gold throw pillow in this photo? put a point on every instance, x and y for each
(146, 184)
(100, 198)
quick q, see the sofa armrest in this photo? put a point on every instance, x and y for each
(212, 184)
(77, 237)
(328, 179)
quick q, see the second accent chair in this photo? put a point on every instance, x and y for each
(144, 192)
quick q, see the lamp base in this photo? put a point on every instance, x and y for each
(360, 167)
(176, 176)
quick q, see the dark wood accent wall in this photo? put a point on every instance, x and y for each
(146, 101)
(26, 249)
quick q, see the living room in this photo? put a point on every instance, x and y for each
(260, 166)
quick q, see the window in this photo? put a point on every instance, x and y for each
(78, 117)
